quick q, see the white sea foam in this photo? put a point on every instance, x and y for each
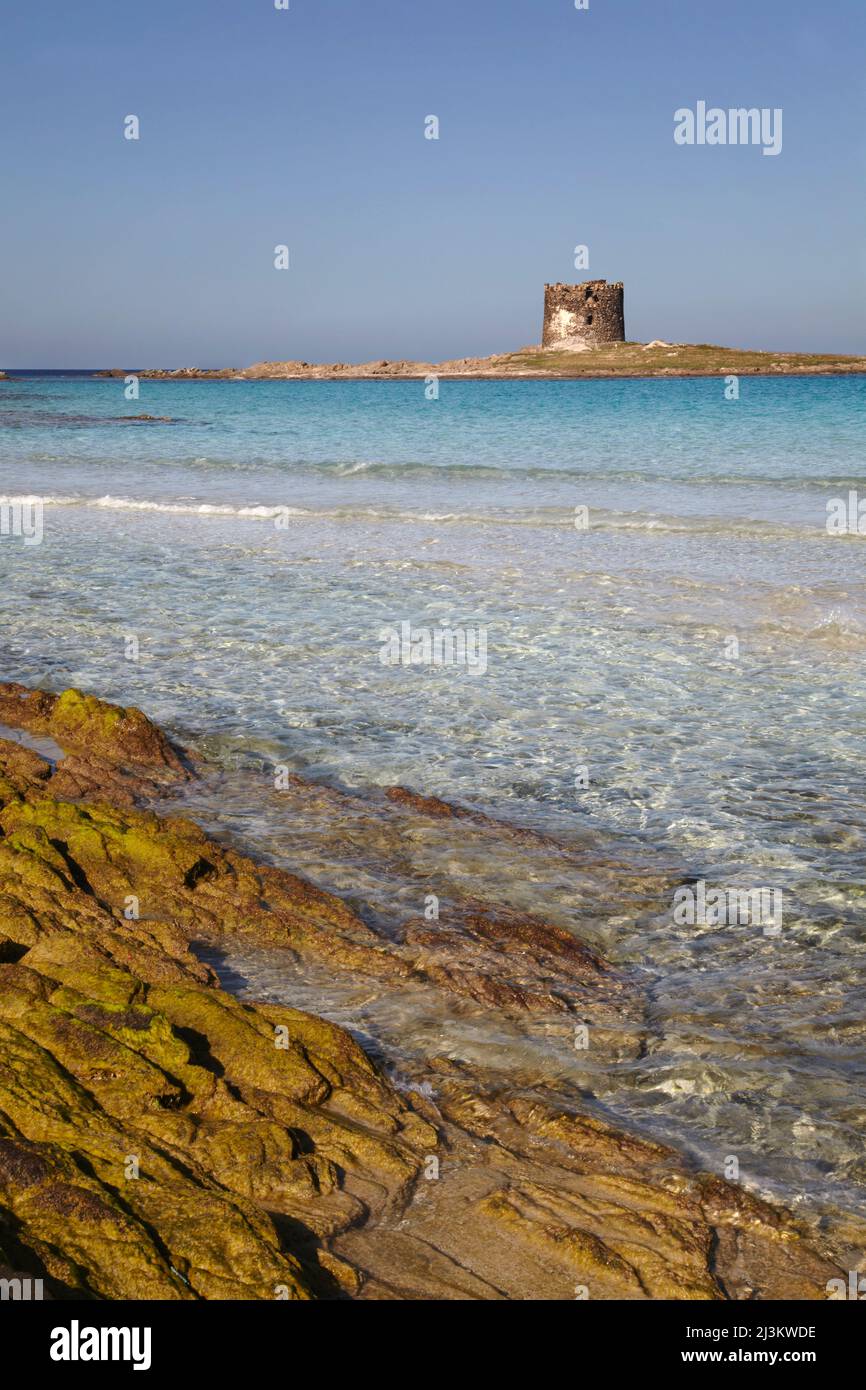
(559, 517)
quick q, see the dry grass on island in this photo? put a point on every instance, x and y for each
(677, 359)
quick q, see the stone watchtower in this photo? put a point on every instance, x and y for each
(577, 316)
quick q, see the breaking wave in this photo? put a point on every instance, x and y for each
(558, 517)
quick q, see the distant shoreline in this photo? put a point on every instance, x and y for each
(485, 376)
(606, 362)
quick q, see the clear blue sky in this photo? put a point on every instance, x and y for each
(305, 127)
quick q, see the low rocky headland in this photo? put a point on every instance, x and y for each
(162, 1139)
(655, 359)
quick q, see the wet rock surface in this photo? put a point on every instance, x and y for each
(159, 1138)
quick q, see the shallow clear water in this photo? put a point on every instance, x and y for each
(258, 546)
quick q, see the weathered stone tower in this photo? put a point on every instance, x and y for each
(582, 315)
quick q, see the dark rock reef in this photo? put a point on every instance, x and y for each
(161, 1139)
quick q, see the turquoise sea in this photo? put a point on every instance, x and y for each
(678, 683)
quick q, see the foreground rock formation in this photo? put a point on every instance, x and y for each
(161, 1139)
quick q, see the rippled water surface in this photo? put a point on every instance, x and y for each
(259, 541)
